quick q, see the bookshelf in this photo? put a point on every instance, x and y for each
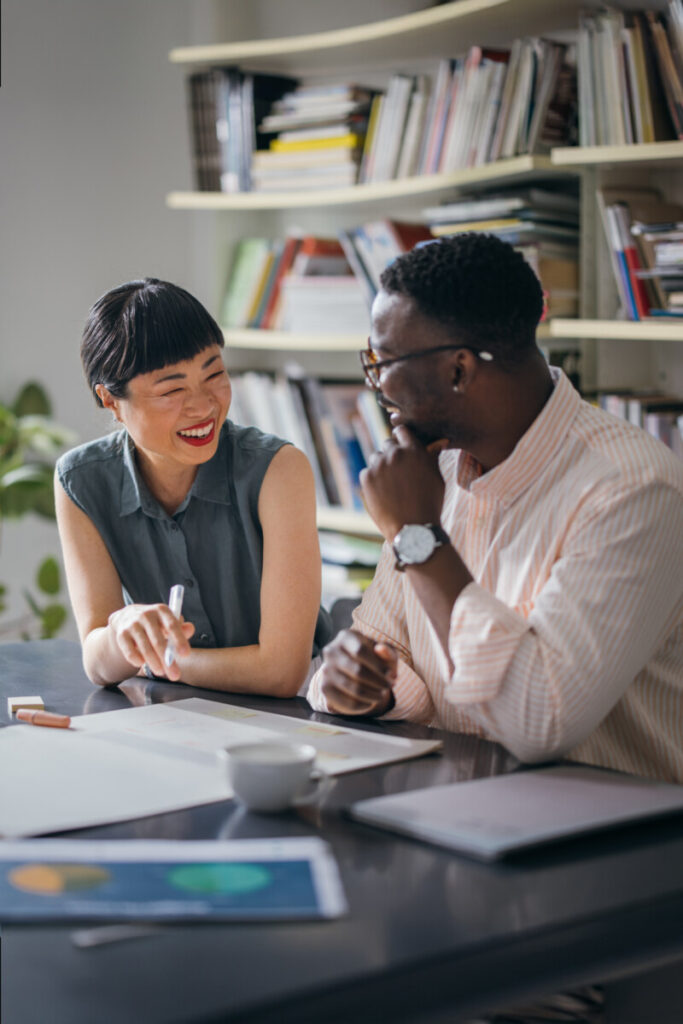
(429, 33)
(387, 193)
(615, 352)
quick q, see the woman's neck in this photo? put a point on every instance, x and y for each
(168, 484)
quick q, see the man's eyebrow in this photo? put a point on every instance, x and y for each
(182, 376)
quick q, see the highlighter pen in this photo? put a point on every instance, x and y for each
(43, 718)
(175, 603)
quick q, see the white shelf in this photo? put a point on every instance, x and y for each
(435, 32)
(643, 330)
(346, 521)
(284, 341)
(431, 185)
(250, 338)
(591, 156)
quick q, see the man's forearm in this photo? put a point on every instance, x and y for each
(438, 583)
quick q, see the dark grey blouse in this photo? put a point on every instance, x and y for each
(213, 544)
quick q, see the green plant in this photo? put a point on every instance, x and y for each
(29, 443)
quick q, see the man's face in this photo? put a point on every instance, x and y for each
(418, 392)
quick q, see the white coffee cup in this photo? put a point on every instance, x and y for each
(274, 776)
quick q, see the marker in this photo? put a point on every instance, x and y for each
(43, 718)
(175, 603)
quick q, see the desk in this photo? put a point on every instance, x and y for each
(431, 937)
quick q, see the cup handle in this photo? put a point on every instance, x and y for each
(321, 783)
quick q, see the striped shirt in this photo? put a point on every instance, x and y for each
(569, 642)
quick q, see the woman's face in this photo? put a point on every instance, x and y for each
(174, 415)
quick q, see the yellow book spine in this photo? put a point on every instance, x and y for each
(350, 141)
(474, 225)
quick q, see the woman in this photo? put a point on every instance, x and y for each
(181, 495)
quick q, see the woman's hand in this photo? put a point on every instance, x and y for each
(142, 633)
(357, 674)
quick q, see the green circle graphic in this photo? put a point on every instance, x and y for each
(225, 878)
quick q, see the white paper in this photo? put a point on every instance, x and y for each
(120, 765)
(197, 726)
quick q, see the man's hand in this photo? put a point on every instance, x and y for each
(357, 675)
(403, 483)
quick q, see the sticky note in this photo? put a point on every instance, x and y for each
(32, 703)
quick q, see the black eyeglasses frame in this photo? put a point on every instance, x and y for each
(372, 366)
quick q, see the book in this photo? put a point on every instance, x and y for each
(668, 72)
(320, 256)
(250, 258)
(348, 140)
(290, 248)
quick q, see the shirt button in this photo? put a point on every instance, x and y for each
(175, 527)
(189, 583)
(203, 637)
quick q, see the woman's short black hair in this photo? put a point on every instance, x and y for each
(476, 285)
(143, 326)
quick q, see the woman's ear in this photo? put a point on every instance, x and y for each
(108, 401)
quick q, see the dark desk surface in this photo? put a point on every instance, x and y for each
(427, 929)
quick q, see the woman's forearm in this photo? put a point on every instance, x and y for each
(251, 669)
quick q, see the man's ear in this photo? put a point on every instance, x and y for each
(463, 367)
(108, 400)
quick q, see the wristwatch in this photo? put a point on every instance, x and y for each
(415, 543)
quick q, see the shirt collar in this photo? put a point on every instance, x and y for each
(210, 484)
(533, 451)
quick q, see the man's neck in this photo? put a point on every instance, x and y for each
(518, 401)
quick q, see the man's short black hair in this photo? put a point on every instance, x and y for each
(478, 287)
(143, 326)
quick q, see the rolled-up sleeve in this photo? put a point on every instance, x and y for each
(381, 615)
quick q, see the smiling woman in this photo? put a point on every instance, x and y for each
(181, 495)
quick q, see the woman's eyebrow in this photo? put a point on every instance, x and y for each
(181, 376)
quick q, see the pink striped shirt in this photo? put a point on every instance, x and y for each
(570, 641)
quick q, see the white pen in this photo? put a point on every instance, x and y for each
(175, 603)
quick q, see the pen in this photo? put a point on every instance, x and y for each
(175, 603)
(43, 718)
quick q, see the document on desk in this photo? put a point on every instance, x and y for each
(157, 880)
(120, 765)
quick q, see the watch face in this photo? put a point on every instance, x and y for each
(414, 544)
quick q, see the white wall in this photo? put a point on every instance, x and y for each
(92, 135)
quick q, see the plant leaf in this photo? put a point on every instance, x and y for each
(48, 575)
(32, 401)
(53, 618)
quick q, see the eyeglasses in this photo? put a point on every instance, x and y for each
(372, 365)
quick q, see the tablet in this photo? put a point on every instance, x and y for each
(492, 817)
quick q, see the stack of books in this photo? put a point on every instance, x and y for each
(320, 294)
(630, 76)
(224, 107)
(337, 424)
(319, 134)
(659, 414)
(540, 223)
(300, 283)
(645, 240)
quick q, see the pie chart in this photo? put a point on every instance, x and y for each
(55, 879)
(220, 878)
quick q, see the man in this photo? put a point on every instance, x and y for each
(531, 587)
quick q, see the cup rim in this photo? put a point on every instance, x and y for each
(304, 752)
